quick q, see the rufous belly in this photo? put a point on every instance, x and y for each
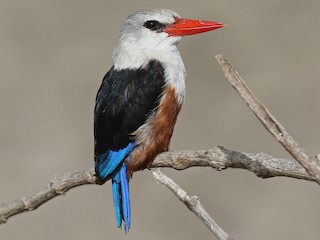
(154, 136)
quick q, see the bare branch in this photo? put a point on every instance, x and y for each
(58, 186)
(269, 121)
(193, 203)
(261, 164)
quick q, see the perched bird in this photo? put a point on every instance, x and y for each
(139, 99)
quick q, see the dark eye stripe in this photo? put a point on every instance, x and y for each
(153, 25)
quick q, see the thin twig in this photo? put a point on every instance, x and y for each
(261, 164)
(269, 121)
(193, 203)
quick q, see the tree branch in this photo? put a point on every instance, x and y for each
(193, 204)
(312, 165)
(261, 164)
(58, 186)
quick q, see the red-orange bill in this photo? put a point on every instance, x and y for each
(183, 27)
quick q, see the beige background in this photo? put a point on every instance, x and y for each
(53, 55)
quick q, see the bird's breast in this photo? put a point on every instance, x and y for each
(154, 136)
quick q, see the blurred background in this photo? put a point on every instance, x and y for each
(53, 55)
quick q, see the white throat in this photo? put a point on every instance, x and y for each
(130, 55)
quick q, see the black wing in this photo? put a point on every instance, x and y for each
(123, 103)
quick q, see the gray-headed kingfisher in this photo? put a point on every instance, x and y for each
(140, 98)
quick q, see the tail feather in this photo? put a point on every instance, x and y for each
(116, 189)
(125, 194)
(121, 198)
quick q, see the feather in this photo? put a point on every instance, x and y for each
(109, 161)
(121, 197)
(125, 197)
(116, 189)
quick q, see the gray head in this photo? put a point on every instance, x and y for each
(148, 21)
(142, 37)
(153, 34)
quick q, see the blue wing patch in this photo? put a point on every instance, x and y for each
(110, 160)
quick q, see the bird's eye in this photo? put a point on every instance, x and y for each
(153, 25)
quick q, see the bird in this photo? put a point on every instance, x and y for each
(139, 99)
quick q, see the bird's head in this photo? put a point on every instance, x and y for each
(150, 34)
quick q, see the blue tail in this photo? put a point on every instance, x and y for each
(111, 165)
(121, 198)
